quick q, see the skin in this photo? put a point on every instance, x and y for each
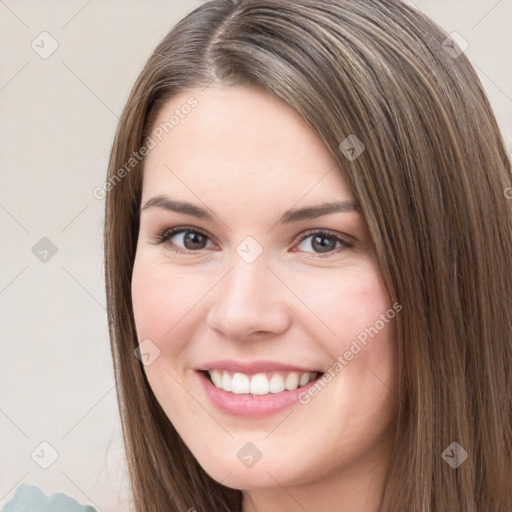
(247, 157)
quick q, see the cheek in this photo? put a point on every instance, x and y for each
(162, 304)
(162, 301)
(343, 303)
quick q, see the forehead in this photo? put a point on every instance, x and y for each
(238, 140)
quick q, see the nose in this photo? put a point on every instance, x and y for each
(249, 302)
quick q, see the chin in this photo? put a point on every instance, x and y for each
(235, 474)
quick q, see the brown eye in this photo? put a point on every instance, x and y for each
(193, 240)
(183, 239)
(322, 242)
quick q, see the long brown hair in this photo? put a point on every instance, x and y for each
(431, 183)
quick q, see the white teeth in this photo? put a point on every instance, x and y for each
(216, 378)
(260, 383)
(226, 381)
(277, 383)
(292, 381)
(304, 379)
(240, 384)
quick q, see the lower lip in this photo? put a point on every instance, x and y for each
(251, 406)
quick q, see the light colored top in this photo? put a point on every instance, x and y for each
(29, 498)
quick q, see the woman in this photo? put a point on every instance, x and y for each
(308, 254)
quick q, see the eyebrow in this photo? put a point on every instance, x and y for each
(292, 215)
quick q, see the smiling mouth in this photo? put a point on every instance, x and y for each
(260, 383)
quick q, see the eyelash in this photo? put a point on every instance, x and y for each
(164, 235)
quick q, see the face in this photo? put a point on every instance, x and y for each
(268, 331)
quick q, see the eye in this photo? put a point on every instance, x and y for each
(183, 239)
(323, 242)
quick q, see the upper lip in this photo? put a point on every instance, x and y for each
(249, 367)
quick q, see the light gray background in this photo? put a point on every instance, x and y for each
(57, 120)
